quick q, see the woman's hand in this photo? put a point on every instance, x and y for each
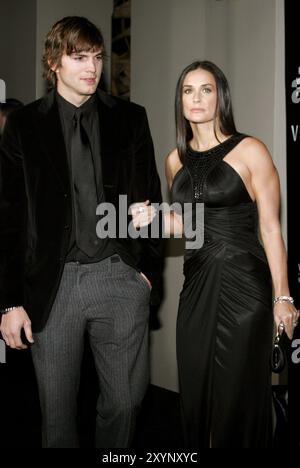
(287, 314)
(142, 214)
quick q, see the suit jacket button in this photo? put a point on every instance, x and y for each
(65, 195)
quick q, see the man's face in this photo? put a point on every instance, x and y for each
(78, 75)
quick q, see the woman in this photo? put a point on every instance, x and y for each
(225, 320)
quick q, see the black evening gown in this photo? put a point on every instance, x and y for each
(225, 319)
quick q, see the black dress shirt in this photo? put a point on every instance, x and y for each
(91, 125)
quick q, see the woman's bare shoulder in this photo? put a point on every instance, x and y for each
(254, 152)
(253, 145)
(172, 165)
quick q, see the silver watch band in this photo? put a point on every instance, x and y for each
(8, 309)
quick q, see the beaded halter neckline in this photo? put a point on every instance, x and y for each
(215, 150)
(200, 163)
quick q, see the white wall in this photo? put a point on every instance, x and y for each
(48, 12)
(247, 41)
(243, 45)
(279, 115)
(166, 36)
(245, 38)
(17, 48)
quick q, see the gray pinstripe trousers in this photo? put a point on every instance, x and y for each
(109, 300)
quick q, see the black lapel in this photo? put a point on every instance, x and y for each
(51, 138)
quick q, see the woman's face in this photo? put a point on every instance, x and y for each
(199, 96)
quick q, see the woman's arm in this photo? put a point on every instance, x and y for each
(173, 221)
(266, 188)
(143, 213)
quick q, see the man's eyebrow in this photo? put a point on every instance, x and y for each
(83, 52)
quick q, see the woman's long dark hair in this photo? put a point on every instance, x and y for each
(223, 112)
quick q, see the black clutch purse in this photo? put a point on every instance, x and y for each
(278, 358)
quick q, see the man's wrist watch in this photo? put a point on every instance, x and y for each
(8, 309)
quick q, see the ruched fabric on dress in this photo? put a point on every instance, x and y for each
(225, 320)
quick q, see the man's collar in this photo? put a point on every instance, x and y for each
(69, 109)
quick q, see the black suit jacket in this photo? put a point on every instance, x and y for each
(35, 203)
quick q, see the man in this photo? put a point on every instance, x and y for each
(61, 157)
(5, 109)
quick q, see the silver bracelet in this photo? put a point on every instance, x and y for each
(280, 299)
(8, 309)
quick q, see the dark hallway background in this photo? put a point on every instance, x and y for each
(158, 423)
